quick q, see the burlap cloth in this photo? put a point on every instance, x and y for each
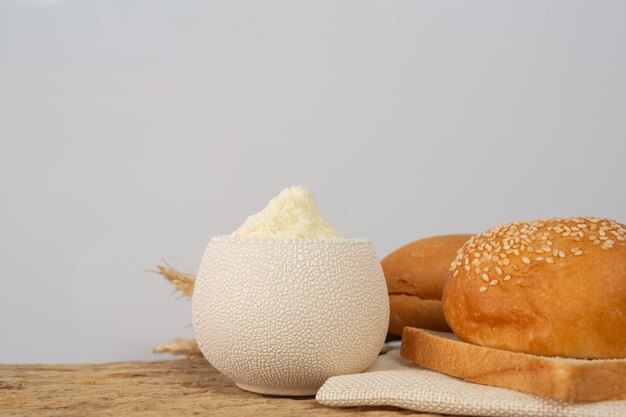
(393, 381)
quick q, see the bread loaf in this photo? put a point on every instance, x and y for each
(415, 274)
(552, 287)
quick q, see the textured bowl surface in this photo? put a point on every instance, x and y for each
(282, 316)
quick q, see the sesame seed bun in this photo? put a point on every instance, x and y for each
(552, 287)
(415, 274)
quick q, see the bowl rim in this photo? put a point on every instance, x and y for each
(270, 240)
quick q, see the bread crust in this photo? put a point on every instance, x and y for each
(415, 274)
(552, 287)
(412, 311)
(558, 378)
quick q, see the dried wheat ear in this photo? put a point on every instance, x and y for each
(184, 283)
(180, 347)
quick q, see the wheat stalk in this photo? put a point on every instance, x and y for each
(182, 281)
(180, 347)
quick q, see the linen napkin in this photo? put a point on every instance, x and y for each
(394, 381)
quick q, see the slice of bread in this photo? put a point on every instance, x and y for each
(558, 378)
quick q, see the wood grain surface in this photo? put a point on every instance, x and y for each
(162, 388)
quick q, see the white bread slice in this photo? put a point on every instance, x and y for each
(558, 378)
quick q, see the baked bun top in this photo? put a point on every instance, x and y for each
(552, 287)
(420, 267)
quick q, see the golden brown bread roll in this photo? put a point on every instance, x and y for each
(415, 275)
(552, 287)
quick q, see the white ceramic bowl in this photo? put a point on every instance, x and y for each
(280, 316)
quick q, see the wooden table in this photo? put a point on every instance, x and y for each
(160, 388)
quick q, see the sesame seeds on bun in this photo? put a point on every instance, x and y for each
(554, 287)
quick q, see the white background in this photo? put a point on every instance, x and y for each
(135, 130)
